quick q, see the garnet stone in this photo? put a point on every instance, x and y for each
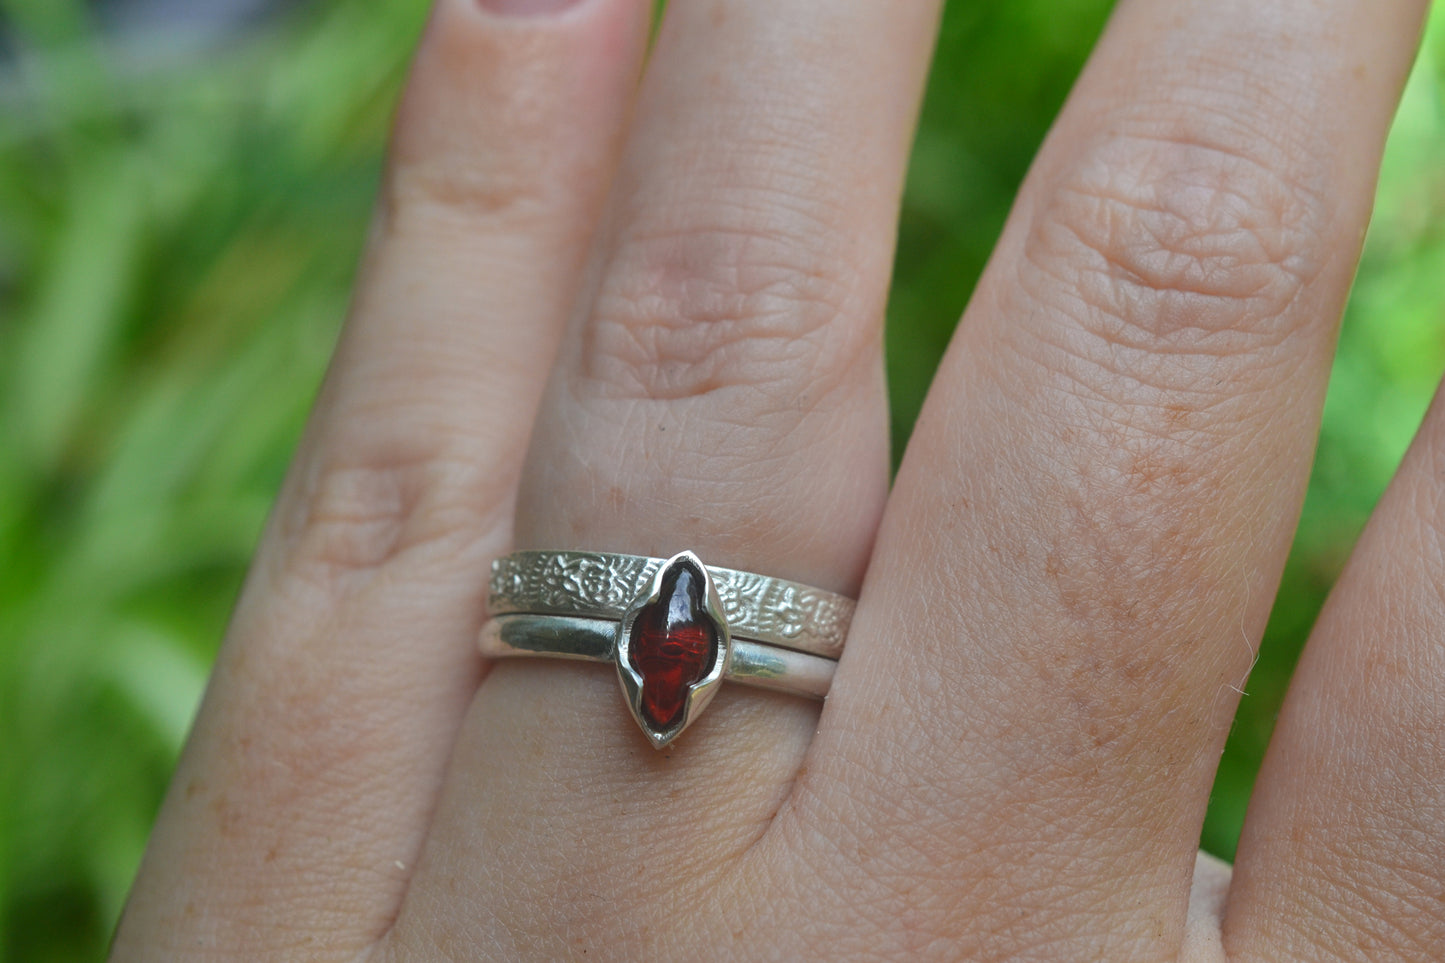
(673, 644)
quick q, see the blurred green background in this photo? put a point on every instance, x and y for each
(179, 225)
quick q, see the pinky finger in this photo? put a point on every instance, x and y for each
(1343, 854)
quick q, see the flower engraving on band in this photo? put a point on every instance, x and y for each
(789, 613)
(673, 648)
(509, 578)
(600, 584)
(590, 578)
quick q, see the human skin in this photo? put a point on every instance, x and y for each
(643, 317)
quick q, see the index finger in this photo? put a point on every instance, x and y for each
(319, 748)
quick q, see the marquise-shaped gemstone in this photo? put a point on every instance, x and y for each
(673, 645)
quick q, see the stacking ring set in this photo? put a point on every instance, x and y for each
(674, 628)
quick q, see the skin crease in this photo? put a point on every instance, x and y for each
(1060, 597)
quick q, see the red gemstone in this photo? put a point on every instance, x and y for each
(672, 645)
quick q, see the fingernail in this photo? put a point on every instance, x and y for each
(526, 8)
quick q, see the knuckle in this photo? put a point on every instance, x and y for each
(1177, 267)
(683, 314)
(1177, 244)
(473, 122)
(422, 196)
(351, 515)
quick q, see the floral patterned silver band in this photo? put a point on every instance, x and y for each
(602, 585)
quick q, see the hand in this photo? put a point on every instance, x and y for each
(1063, 595)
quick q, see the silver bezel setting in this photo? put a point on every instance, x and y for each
(700, 693)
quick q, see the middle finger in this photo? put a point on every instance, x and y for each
(1087, 531)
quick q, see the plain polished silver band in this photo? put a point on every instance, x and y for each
(603, 585)
(595, 640)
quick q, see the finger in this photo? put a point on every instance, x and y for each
(720, 391)
(1343, 853)
(1089, 525)
(318, 752)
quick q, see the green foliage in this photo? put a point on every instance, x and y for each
(177, 238)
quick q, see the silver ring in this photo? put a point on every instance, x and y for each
(672, 640)
(602, 585)
(595, 640)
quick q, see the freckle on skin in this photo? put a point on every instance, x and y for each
(616, 498)
(226, 817)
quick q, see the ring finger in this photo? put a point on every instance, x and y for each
(720, 390)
